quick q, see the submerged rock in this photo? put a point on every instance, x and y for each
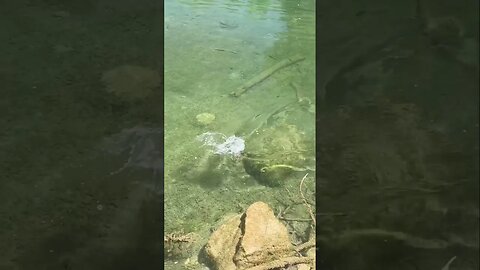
(264, 239)
(274, 153)
(222, 245)
(205, 119)
(254, 238)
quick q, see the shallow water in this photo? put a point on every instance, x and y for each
(397, 140)
(211, 49)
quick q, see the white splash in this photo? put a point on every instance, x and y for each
(223, 145)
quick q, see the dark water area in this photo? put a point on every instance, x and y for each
(397, 135)
(80, 146)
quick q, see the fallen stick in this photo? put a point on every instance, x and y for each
(224, 50)
(293, 168)
(265, 74)
(309, 207)
(296, 219)
(282, 263)
(311, 243)
(447, 266)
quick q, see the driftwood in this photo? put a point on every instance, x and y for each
(265, 74)
(282, 263)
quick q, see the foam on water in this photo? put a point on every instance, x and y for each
(223, 145)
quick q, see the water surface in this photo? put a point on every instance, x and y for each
(211, 49)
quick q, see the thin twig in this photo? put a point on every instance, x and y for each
(309, 207)
(281, 263)
(224, 50)
(311, 243)
(295, 219)
(265, 74)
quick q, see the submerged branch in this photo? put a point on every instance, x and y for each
(265, 74)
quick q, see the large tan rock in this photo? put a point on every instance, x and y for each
(221, 246)
(264, 239)
(256, 237)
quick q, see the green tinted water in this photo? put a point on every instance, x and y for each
(212, 49)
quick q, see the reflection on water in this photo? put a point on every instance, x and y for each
(263, 53)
